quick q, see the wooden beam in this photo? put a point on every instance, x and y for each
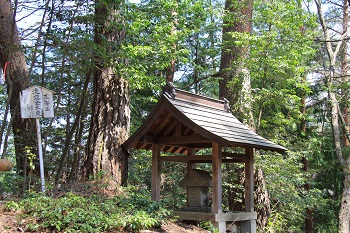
(235, 216)
(217, 179)
(195, 159)
(226, 157)
(178, 129)
(156, 166)
(217, 186)
(186, 158)
(237, 156)
(162, 119)
(186, 215)
(190, 164)
(170, 128)
(249, 180)
(174, 140)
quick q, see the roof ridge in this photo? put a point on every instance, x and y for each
(178, 94)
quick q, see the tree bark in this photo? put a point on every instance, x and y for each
(235, 85)
(309, 211)
(302, 128)
(344, 213)
(344, 75)
(17, 79)
(261, 199)
(235, 79)
(170, 71)
(110, 120)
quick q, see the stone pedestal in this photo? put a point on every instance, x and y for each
(197, 196)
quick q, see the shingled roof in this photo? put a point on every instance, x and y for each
(183, 120)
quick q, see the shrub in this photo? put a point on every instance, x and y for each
(133, 211)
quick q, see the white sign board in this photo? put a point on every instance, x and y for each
(47, 103)
(36, 102)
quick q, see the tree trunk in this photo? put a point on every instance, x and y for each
(344, 213)
(302, 128)
(17, 79)
(170, 71)
(235, 79)
(72, 130)
(235, 85)
(309, 211)
(344, 75)
(261, 199)
(110, 120)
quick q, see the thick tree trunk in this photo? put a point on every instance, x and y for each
(235, 78)
(17, 79)
(110, 120)
(235, 86)
(109, 127)
(232, 55)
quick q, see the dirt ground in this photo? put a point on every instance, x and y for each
(11, 222)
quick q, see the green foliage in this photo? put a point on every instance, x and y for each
(281, 48)
(10, 183)
(139, 169)
(133, 212)
(208, 226)
(285, 181)
(174, 196)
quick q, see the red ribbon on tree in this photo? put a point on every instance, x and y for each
(3, 76)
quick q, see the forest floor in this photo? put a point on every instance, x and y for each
(13, 222)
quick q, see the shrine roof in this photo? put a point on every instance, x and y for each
(182, 120)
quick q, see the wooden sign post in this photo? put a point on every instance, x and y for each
(37, 102)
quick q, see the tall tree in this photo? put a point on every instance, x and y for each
(110, 121)
(344, 104)
(17, 79)
(334, 63)
(235, 83)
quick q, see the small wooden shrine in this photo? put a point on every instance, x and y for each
(181, 124)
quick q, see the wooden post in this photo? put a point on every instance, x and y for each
(190, 164)
(217, 186)
(40, 151)
(249, 225)
(156, 165)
